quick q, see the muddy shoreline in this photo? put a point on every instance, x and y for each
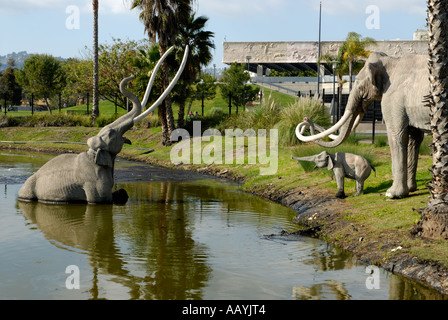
(317, 210)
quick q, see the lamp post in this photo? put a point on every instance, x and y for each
(334, 65)
(318, 51)
(244, 92)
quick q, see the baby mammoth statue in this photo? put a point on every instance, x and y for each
(344, 165)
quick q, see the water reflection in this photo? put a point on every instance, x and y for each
(159, 261)
(176, 238)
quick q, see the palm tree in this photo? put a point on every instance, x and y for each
(340, 70)
(200, 43)
(435, 217)
(353, 48)
(95, 107)
(162, 20)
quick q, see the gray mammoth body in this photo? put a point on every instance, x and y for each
(344, 165)
(89, 176)
(401, 84)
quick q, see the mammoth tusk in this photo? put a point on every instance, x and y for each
(153, 76)
(333, 136)
(168, 90)
(319, 128)
(323, 134)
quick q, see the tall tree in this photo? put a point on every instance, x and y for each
(340, 70)
(162, 20)
(117, 60)
(234, 79)
(435, 217)
(349, 58)
(10, 90)
(42, 75)
(95, 107)
(354, 48)
(200, 43)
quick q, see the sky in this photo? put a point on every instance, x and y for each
(64, 28)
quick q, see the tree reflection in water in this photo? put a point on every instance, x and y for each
(145, 246)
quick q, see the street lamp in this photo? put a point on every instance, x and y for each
(244, 91)
(318, 51)
(334, 64)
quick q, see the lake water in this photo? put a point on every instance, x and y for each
(174, 239)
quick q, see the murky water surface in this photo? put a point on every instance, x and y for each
(174, 239)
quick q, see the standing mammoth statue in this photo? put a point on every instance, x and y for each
(402, 86)
(89, 176)
(344, 165)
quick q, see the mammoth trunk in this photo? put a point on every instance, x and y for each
(353, 114)
(344, 133)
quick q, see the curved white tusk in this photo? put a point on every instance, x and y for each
(320, 129)
(324, 134)
(167, 91)
(153, 76)
(358, 121)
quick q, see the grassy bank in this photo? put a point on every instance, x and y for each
(372, 212)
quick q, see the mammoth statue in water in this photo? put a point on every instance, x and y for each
(89, 176)
(402, 85)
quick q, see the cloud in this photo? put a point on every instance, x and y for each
(26, 6)
(350, 7)
(232, 8)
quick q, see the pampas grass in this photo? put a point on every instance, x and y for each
(292, 115)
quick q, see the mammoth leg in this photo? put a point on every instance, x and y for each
(415, 140)
(398, 143)
(26, 192)
(339, 176)
(359, 186)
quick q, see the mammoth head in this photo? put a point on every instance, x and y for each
(109, 141)
(321, 160)
(372, 77)
(107, 144)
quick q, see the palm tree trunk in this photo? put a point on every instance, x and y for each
(350, 74)
(435, 217)
(95, 107)
(181, 113)
(165, 111)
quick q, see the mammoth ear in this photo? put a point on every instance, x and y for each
(103, 158)
(375, 74)
(330, 163)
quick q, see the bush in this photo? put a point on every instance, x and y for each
(380, 141)
(292, 115)
(263, 116)
(150, 121)
(55, 120)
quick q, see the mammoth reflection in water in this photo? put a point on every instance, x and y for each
(137, 250)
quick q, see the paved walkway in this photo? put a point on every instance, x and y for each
(366, 128)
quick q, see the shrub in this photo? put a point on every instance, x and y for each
(380, 141)
(150, 121)
(263, 116)
(292, 115)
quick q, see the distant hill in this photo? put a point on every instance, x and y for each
(19, 58)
